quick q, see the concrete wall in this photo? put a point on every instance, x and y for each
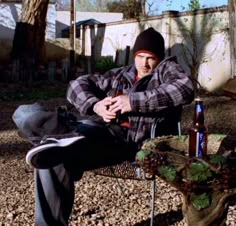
(208, 27)
(9, 16)
(203, 34)
(57, 48)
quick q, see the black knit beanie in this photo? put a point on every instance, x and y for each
(150, 41)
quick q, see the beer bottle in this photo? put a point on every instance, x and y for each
(198, 132)
(119, 92)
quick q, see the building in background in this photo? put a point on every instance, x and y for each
(63, 19)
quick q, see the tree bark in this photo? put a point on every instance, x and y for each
(29, 38)
(143, 6)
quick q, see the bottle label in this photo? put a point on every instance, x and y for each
(200, 144)
(199, 108)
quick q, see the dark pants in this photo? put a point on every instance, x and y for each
(54, 188)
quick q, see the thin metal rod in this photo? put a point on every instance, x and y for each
(116, 178)
(153, 182)
(153, 191)
(179, 129)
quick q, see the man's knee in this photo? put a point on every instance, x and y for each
(33, 120)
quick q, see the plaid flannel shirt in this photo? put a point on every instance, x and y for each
(168, 86)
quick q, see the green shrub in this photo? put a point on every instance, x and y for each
(38, 91)
(104, 64)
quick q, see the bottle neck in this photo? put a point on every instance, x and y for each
(119, 91)
(116, 91)
(199, 113)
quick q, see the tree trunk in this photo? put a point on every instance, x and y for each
(29, 39)
(143, 6)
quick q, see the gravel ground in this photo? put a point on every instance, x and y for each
(99, 200)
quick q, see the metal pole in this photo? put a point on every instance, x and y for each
(153, 189)
(74, 31)
(72, 34)
(153, 182)
(232, 32)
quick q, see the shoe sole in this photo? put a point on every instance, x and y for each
(40, 157)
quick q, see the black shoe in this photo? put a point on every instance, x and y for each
(50, 152)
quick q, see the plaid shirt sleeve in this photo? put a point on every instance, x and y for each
(86, 90)
(171, 86)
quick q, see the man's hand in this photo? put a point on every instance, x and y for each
(120, 103)
(101, 108)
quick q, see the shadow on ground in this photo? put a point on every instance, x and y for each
(165, 219)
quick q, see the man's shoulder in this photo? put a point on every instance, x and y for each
(116, 71)
(120, 69)
(169, 59)
(168, 64)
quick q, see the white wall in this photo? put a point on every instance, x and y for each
(214, 69)
(211, 39)
(56, 21)
(10, 14)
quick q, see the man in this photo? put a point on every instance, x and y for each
(152, 88)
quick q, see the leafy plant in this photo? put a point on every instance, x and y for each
(104, 64)
(217, 159)
(168, 172)
(152, 144)
(198, 171)
(129, 8)
(142, 154)
(194, 5)
(200, 201)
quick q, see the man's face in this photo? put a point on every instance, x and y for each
(145, 63)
